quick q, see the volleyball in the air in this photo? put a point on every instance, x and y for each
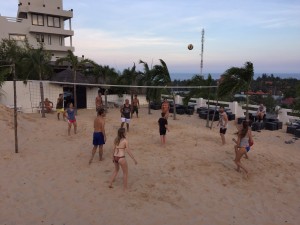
(190, 46)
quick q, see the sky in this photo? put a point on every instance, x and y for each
(119, 33)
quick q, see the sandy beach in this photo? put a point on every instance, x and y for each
(190, 181)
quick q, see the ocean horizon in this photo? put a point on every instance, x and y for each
(186, 76)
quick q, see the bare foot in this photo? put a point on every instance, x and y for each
(110, 186)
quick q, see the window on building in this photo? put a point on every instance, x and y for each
(49, 40)
(37, 19)
(60, 40)
(53, 21)
(17, 37)
(40, 38)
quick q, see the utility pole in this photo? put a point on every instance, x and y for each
(15, 109)
(13, 71)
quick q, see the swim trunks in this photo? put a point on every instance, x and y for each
(162, 131)
(135, 109)
(60, 110)
(223, 130)
(125, 120)
(98, 138)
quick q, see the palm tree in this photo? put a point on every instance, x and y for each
(157, 76)
(76, 65)
(236, 79)
(146, 79)
(37, 64)
(130, 77)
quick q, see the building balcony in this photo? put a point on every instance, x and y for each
(59, 48)
(47, 11)
(51, 30)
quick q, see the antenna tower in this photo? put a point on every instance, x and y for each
(202, 46)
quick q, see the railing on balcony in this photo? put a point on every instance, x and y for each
(13, 19)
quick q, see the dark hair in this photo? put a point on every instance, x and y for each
(163, 114)
(99, 91)
(245, 128)
(121, 134)
(100, 111)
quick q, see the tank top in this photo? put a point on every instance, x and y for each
(126, 111)
(244, 141)
(71, 114)
(222, 121)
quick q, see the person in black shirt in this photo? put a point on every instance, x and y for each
(125, 114)
(60, 106)
(163, 127)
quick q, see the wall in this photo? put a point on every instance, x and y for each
(28, 94)
(28, 97)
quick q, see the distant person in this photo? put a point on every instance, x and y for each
(135, 106)
(163, 128)
(261, 112)
(223, 121)
(71, 119)
(99, 136)
(165, 108)
(48, 105)
(118, 157)
(242, 145)
(60, 106)
(98, 101)
(125, 114)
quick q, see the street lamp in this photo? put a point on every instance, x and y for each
(13, 67)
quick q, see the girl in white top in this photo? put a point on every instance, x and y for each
(118, 157)
(244, 136)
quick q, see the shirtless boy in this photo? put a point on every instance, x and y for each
(135, 106)
(98, 101)
(99, 136)
(48, 105)
(60, 106)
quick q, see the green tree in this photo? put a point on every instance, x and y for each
(75, 64)
(296, 106)
(130, 77)
(36, 64)
(11, 53)
(147, 80)
(237, 79)
(157, 76)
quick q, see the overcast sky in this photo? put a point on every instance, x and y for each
(120, 32)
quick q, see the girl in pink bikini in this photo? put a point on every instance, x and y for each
(71, 118)
(118, 157)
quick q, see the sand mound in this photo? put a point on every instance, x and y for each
(190, 181)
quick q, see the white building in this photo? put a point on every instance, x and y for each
(41, 21)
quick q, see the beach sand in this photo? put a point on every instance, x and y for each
(192, 180)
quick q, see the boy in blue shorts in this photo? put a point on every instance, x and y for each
(99, 137)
